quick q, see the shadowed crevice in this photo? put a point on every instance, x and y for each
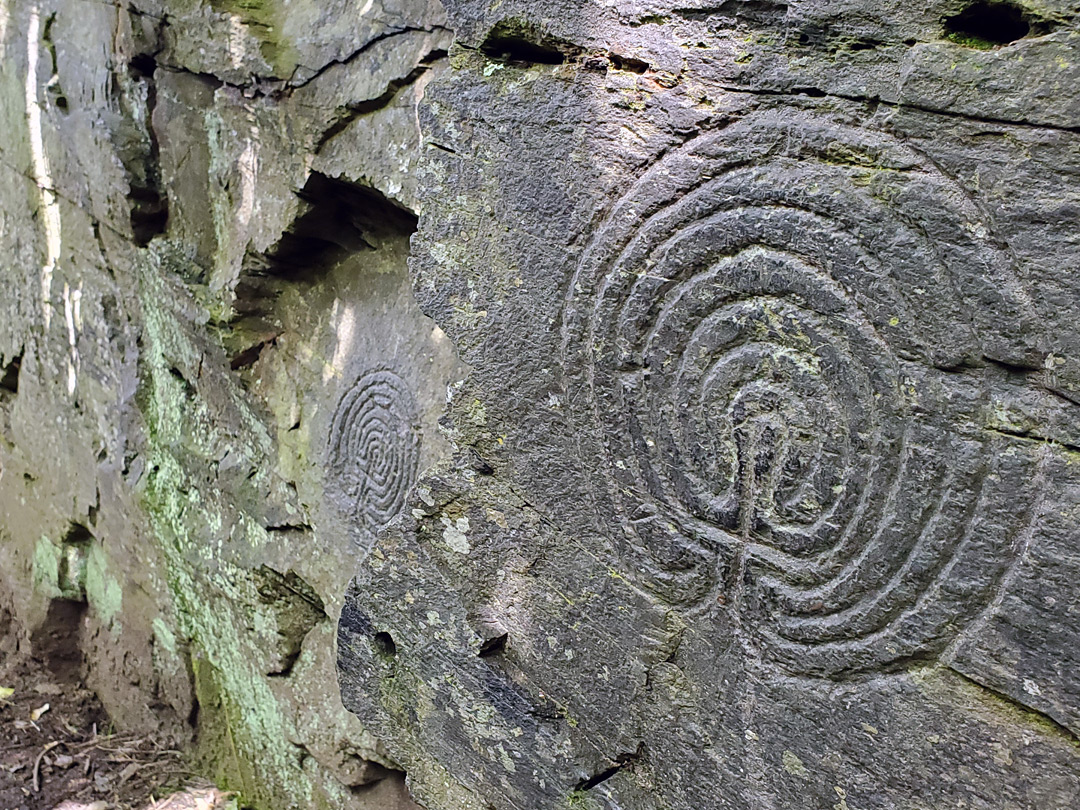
(336, 220)
(989, 24)
(516, 41)
(9, 376)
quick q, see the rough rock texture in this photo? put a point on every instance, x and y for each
(766, 482)
(215, 382)
(760, 489)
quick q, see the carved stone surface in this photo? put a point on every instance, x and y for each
(749, 331)
(374, 449)
(765, 493)
(763, 490)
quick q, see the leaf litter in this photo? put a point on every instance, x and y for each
(63, 754)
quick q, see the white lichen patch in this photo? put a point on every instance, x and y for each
(454, 534)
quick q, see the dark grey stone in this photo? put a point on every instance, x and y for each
(764, 492)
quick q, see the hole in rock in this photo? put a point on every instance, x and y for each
(179, 376)
(479, 463)
(515, 41)
(149, 213)
(57, 640)
(865, 44)
(384, 645)
(987, 25)
(149, 202)
(338, 218)
(143, 64)
(9, 375)
(77, 534)
(628, 63)
(249, 356)
(493, 646)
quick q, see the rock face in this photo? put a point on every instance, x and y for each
(215, 382)
(760, 487)
(765, 489)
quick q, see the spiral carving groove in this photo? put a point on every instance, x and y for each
(374, 448)
(757, 332)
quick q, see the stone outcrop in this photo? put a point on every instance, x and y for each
(765, 492)
(216, 383)
(689, 391)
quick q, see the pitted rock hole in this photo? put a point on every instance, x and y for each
(988, 24)
(58, 640)
(9, 376)
(9, 388)
(336, 220)
(384, 644)
(518, 42)
(149, 201)
(493, 646)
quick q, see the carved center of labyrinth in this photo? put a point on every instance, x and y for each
(374, 449)
(755, 333)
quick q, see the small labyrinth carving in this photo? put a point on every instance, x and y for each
(758, 332)
(374, 449)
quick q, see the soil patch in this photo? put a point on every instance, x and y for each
(57, 745)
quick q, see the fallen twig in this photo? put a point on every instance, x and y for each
(36, 781)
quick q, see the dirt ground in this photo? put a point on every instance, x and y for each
(58, 750)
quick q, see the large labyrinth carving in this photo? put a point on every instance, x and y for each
(776, 332)
(374, 449)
